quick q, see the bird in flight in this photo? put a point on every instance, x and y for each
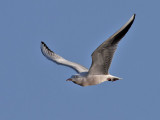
(101, 60)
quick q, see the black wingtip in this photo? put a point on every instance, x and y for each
(42, 42)
(134, 15)
(122, 31)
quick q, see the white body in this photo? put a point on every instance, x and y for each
(87, 80)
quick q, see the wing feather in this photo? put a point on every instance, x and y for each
(60, 60)
(102, 56)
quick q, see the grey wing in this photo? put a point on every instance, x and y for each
(60, 60)
(102, 56)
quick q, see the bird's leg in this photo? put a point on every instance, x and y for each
(112, 79)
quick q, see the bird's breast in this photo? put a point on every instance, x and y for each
(93, 80)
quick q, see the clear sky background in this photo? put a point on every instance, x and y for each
(34, 88)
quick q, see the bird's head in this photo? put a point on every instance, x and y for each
(76, 79)
(69, 79)
(73, 78)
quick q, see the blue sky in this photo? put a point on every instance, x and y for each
(33, 88)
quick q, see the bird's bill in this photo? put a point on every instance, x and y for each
(69, 79)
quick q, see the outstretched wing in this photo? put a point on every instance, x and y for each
(60, 60)
(102, 56)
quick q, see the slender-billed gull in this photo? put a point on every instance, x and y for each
(101, 60)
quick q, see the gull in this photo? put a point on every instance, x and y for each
(101, 60)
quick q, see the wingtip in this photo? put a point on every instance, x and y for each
(134, 15)
(42, 42)
(43, 45)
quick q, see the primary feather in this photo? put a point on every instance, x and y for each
(60, 60)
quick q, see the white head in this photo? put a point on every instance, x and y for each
(77, 79)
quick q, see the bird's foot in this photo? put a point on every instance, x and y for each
(112, 79)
